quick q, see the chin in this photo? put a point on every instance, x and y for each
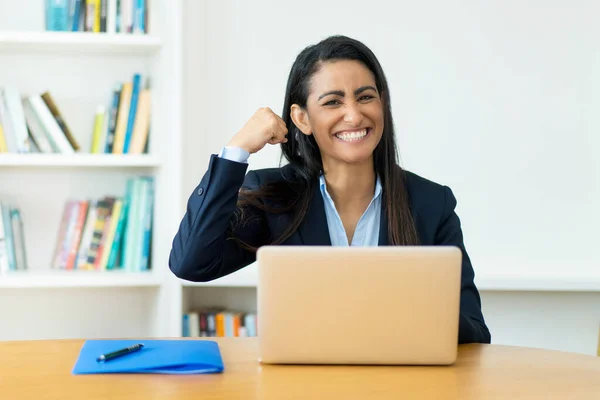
(356, 154)
(355, 157)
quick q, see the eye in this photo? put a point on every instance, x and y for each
(365, 97)
(331, 103)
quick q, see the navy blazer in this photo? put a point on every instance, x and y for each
(202, 251)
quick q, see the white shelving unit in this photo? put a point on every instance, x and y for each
(79, 160)
(511, 281)
(244, 278)
(80, 70)
(81, 42)
(78, 279)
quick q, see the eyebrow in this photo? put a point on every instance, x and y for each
(342, 94)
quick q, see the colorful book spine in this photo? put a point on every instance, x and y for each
(141, 201)
(139, 20)
(3, 146)
(42, 139)
(111, 16)
(111, 233)
(122, 115)
(50, 125)
(19, 239)
(112, 122)
(57, 15)
(97, 138)
(53, 108)
(74, 14)
(8, 235)
(3, 248)
(135, 92)
(86, 240)
(214, 322)
(116, 247)
(141, 126)
(75, 240)
(146, 237)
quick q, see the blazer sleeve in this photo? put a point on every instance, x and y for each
(204, 248)
(472, 327)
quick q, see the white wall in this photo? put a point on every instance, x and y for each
(499, 100)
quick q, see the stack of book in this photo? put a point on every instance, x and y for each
(12, 239)
(123, 126)
(219, 322)
(35, 124)
(110, 16)
(108, 233)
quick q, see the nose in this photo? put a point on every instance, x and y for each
(353, 115)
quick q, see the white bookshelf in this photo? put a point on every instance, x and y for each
(79, 42)
(552, 280)
(244, 278)
(77, 279)
(80, 70)
(79, 160)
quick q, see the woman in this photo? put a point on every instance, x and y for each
(342, 185)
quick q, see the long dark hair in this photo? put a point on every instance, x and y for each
(295, 191)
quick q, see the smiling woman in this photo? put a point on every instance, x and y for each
(342, 186)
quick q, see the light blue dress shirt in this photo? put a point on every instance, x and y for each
(366, 232)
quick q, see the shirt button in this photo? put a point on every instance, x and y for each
(200, 191)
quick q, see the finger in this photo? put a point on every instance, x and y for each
(281, 135)
(282, 125)
(278, 137)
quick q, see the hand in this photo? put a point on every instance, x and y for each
(263, 127)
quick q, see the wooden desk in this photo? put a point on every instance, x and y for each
(42, 370)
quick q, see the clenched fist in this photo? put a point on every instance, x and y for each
(263, 127)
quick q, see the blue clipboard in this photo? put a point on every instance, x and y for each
(156, 357)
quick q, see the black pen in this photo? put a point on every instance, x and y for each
(119, 353)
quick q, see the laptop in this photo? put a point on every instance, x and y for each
(389, 305)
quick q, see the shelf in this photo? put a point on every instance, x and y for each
(77, 279)
(78, 160)
(519, 281)
(545, 281)
(78, 42)
(245, 277)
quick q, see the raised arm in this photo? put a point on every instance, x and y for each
(203, 248)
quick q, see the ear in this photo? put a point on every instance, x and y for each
(300, 119)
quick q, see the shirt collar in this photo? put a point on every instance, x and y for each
(323, 186)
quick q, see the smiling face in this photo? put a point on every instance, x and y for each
(343, 111)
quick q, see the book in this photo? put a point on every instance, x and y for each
(57, 15)
(122, 117)
(105, 234)
(12, 239)
(18, 239)
(51, 104)
(135, 92)
(218, 322)
(51, 127)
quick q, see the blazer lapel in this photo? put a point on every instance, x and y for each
(314, 230)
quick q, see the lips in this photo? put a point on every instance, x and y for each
(353, 136)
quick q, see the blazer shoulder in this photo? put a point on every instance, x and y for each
(425, 193)
(421, 184)
(259, 177)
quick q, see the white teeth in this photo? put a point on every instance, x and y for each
(351, 136)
